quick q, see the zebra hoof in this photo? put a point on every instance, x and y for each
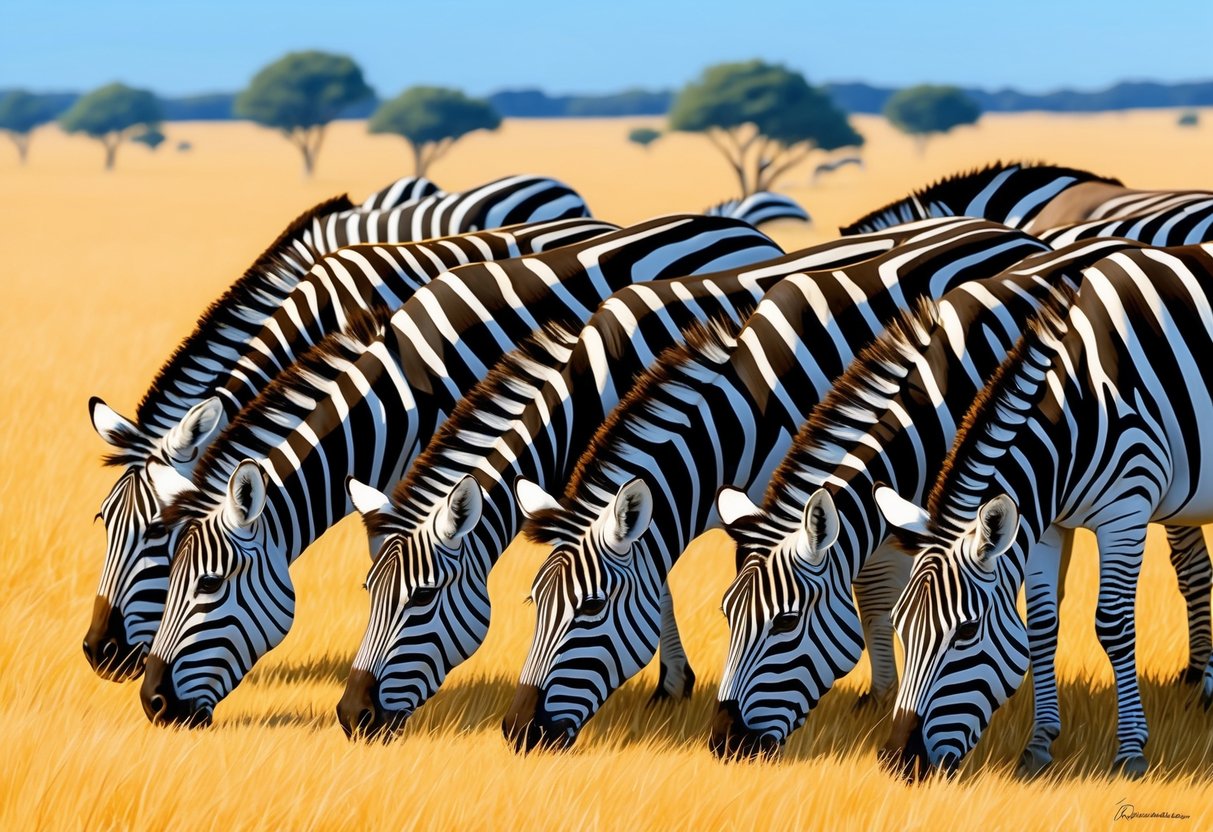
(1033, 763)
(673, 686)
(1191, 676)
(869, 701)
(1133, 767)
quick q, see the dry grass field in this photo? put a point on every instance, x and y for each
(104, 273)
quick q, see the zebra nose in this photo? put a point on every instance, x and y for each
(156, 692)
(518, 726)
(357, 711)
(105, 645)
(723, 739)
(905, 752)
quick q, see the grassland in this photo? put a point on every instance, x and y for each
(104, 273)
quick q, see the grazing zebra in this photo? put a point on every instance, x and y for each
(1162, 218)
(761, 207)
(701, 419)
(168, 428)
(525, 419)
(1083, 426)
(1009, 193)
(401, 192)
(351, 279)
(890, 418)
(364, 407)
(835, 164)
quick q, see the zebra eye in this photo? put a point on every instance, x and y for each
(210, 584)
(592, 607)
(967, 631)
(785, 622)
(423, 596)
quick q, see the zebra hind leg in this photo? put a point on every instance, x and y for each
(1194, 570)
(1044, 587)
(676, 680)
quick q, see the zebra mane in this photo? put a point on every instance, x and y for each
(483, 415)
(923, 202)
(258, 288)
(859, 398)
(276, 412)
(1049, 324)
(706, 348)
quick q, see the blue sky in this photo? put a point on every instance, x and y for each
(574, 46)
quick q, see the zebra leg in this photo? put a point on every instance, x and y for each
(677, 680)
(1190, 557)
(877, 588)
(1044, 587)
(1121, 546)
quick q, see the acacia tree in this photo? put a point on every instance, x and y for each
(299, 94)
(20, 113)
(432, 119)
(764, 118)
(928, 109)
(111, 115)
(644, 136)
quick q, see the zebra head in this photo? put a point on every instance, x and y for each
(429, 605)
(793, 626)
(597, 612)
(230, 599)
(966, 647)
(134, 577)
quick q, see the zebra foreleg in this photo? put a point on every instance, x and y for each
(877, 588)
(676, 680)
(1120, 552)
(1044, 587)
(1190, 558)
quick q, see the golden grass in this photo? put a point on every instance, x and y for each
(103, 274)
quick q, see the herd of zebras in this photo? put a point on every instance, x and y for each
(1016, 349)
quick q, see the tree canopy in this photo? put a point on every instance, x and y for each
(20, 113)
(763, 117)
(432, 119)
(299, 94)
(152, 137)
(644, 136)
(111, 115)
(927, 109)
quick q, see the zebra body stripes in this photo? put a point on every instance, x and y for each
(1158, 218)
(275, 480)
(401, 192)
(891, 418)
(663, 453)
(761, 207)
(525, 420)
(173, 422)
(1083, 426)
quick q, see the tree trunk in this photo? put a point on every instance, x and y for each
(419, 164)
(22, 143)
(920, 143)
(111, 153)
(309, 163)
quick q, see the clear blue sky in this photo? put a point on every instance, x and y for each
(578, 46)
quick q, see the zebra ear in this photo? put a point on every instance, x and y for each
(997, 524)
(532, 499)
(167, 482)
(374, 506)
(732, 504)
(246, 493)
(109, 424)
(460, 513)
(820, 526)
(900, 512)
(194, 430)
(628, 515)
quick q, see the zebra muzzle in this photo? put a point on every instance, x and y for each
(731, 739)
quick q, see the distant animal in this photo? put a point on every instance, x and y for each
(703, 419)
(184, 147)
(365, 407)
(759, 208)
(832, 165)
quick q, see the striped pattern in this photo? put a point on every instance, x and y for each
(401, 192)
(761, 207)
(1096, 390)
(1158, 218)
(256, 315)
(701, 421)
(367, 415)
(525, 420)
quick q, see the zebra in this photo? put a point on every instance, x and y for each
(526, 419)
(364, 407)
(1083, 426)
(891, 417)
(760, 208)
(352, 278)
(1011, 193)
(401, 192)
(175, 416)
(697, 421)
(1159, 218)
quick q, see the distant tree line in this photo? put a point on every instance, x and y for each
(1130, 95)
